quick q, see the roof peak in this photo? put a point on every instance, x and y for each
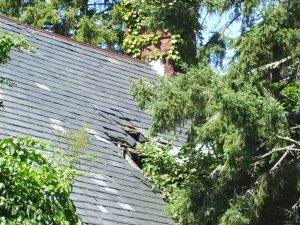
(107, 52)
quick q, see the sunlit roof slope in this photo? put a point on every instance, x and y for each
(64, 85)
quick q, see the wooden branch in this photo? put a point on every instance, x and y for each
(294, 149)
(295, 127)
(262, 145)
(296, 205)
(216, 171)
(280, 160)
(275, 64)
(297, 143)
(276, 150)
(217, 34)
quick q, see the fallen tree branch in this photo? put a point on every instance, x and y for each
(297, 143)
(295, 127)
(274, 65)
(276, 150)
(294, 149)
(296, 205)
(280, 160)
(216, 171)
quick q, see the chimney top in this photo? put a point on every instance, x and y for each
(162, 47)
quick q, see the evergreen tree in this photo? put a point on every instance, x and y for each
(240, 164)
(84, 20)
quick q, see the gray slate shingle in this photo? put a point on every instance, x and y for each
(64, 85)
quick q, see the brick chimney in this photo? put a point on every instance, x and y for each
(163, 46)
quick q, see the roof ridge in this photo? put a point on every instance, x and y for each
(68, 39)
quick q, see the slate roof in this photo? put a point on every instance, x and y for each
(65, 85)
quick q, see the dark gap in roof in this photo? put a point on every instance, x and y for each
(129, 128)
(130, 152)
(134, 153)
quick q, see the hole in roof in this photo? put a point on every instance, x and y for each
(55, 121)
(58, 128)
(135, 133)
(129, 159)
(126, 206)
(133, 154)
(130, 151)
(102, 209)
(42, 86)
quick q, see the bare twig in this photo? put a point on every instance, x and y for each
(216, 171)
(280, 160)
(294, 149)
(295, 127)
(296, 205)
(276, 150)
(297, 143)
(217, 35)
(275, 64)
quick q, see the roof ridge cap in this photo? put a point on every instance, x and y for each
(68, 39)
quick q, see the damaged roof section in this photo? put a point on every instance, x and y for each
(65, 85)
(127, 140)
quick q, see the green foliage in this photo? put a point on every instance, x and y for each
(145, 20)
(74, 18)
(35, 188)
(96, 31)
(291, 95)
(158, 160)
(240, 164)
(134, 43)
(134, 25)
(78, 142)
(7, 43)
(11, 7)
(130, 24)
(276, 36)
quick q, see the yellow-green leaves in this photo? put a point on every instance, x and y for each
(33, 189)
(145, 21)
(7, 43)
